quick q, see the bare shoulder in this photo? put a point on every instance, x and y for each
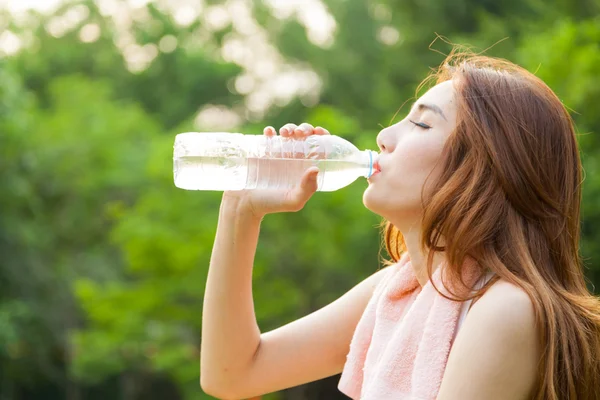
(496, 353)
(502, 303)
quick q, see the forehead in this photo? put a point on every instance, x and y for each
(443, 96)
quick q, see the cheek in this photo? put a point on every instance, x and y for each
(417, 158)
(408, 169)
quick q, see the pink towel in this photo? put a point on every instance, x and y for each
(401, 344)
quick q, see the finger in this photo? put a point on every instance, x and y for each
(307, 187)
(305, 129)
(321, 131)
(287, 129)
(269, 131)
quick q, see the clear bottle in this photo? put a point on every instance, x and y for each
(233, 161)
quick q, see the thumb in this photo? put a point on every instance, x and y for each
(301, 193)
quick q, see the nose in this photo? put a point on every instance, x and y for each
(386, 140)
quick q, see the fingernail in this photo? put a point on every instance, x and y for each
(284, 131)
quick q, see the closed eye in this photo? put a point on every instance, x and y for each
(420, 124)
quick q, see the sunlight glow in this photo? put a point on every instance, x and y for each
(217, 118)
(267, 78)
(89, 33)
(167, 44)
(388, 35)
(312, 14)
(9, 43)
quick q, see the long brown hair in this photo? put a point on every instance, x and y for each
(509, 197)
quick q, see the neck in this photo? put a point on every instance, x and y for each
(418, 256)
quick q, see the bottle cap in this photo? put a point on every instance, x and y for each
(373, 167)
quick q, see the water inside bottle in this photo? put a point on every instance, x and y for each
(236, 173)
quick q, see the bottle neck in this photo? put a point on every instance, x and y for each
(367, 161)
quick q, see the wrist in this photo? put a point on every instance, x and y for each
(238, 205)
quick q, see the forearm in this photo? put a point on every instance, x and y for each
(230, 334)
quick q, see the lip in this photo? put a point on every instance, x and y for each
(376, 167)
(373, 175)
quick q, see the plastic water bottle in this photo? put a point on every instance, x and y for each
(233, 161)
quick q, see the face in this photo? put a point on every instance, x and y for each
(410, 151)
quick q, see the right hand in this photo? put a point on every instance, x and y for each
(262, 202)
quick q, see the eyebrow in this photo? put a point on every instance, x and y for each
(431, 107)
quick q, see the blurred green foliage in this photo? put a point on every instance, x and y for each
(104, 261)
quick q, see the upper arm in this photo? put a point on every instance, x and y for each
(310, 348)
(495, 355)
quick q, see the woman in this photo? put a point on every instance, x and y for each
(482, 175)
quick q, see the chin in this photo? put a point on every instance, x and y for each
(374, 202)
(385, 206)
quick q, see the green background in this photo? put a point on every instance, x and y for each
(103, 261)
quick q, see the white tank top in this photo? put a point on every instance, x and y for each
(467, 304)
